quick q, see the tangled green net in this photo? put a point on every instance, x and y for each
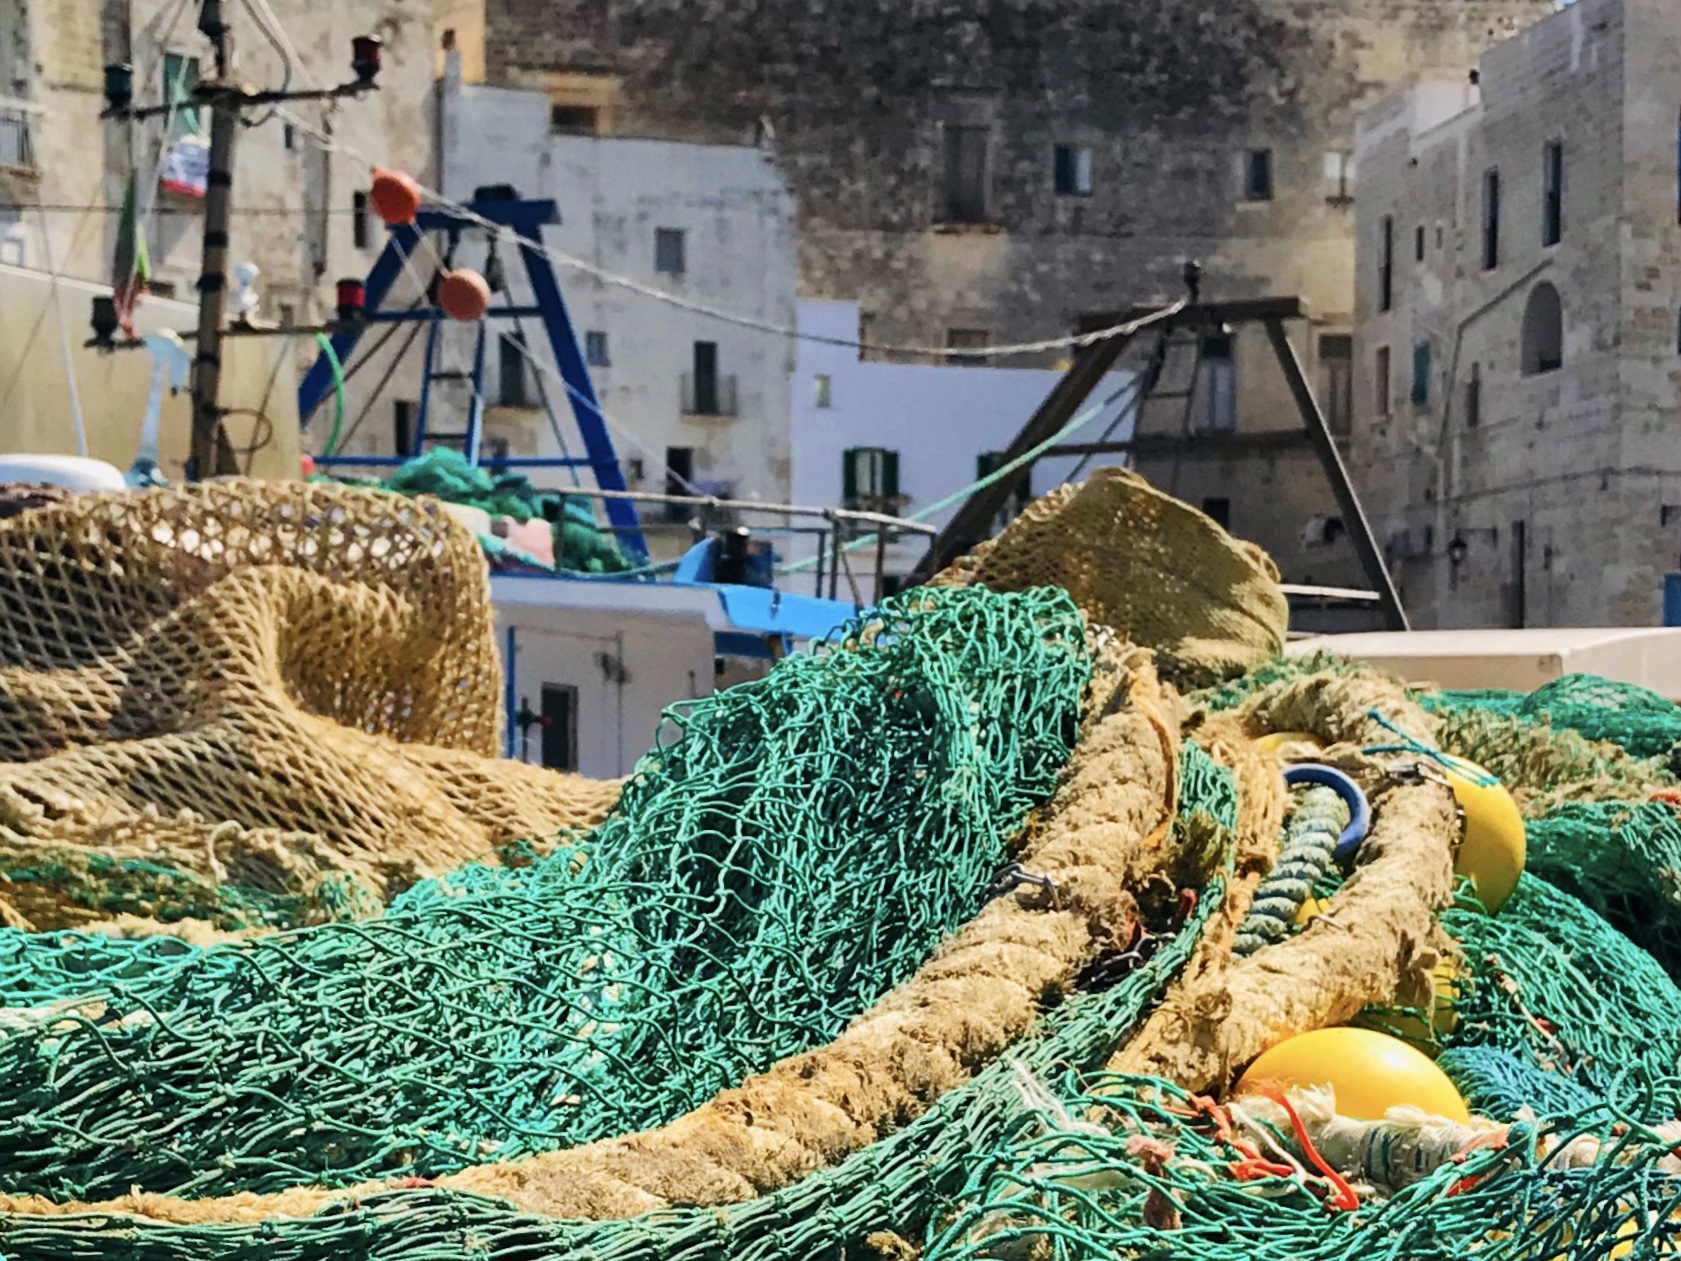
(790, 851)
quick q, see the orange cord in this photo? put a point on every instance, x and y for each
(1346, 1199)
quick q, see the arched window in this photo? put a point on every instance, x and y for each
(1543, 331)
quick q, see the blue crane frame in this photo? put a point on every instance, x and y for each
(526, 219)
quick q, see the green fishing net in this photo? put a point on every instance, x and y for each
(787, 853)
(791, 850)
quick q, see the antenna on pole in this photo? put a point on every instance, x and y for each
(227, 100)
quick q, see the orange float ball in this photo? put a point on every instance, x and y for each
(308, 463)
(395, 197)
(464, 295)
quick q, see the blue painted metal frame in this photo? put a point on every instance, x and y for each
(526, 219)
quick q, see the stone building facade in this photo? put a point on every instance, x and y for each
(706, 400)
(993, 172)
(1518, 326)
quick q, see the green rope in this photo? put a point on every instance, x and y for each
(1316, 821)
(337, 369)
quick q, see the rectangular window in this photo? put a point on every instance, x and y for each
(866, 336)
(1218, 371)
(1552, 193)
(511, 376)
(288, 315)
(870, 478)
(1421, 375)
(360, 237)
(670, 254)
(574, 120)
(560, 727)
(1073, 171)
(679, 480)
(959, 340)
(1336, 368)
(180, 78)
(1491, 219)
(705, 401)
(1339, 176)
(402, 426)
(823, 390)
(1474, 397)
(1218, 510)
(1386, 264)
(966, 173)
(1257, 175)
(595, 349)
(989, 462)
(289, 136)
(1383, 371)
(1418, 244)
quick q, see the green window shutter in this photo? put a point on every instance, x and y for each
(890, 474)
(849, 475)
(1421, 374)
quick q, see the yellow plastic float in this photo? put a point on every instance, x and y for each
(1370, 1072)
(1492, 850)
(1444, 1019)
(1280, 742)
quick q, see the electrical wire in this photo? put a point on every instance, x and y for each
(278, 41)
(1129, 391)
(1071, 342)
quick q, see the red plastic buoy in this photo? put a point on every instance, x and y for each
(395, 197)
(308, 463)
(464, 295)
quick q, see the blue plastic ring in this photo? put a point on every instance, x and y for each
(1360, 812)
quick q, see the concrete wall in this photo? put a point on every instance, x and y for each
(627, 668)
(1557, 486)
(36, 414)
(940, 419)
(80, 161)
(737, 216)
(292, 195)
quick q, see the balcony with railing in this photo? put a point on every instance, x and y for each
(709, 397)
(18, 119)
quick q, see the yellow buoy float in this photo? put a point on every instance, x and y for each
(1370, 1072)
(1281, 742)
(1492, 850)
(1409, 1027)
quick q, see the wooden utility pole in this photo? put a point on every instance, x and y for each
(211, 454)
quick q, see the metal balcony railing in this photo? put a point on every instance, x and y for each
(709, 396)
(17, 139)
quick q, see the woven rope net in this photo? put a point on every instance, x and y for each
(949, 939)
(289, 690)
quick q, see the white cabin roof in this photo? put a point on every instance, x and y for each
(1521, 660)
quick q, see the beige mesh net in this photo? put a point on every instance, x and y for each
(258, 683)
(1157, 571)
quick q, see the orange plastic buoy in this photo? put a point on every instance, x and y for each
(1370, 1073)
(464, 295)
(308, 464)
(395, 197)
